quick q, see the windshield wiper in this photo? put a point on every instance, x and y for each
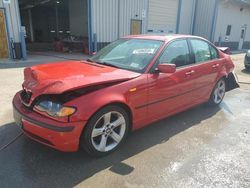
(102, 63)
(89, 60)
(108, 64)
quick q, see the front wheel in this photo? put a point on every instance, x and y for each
(105, 131)
(218, 93)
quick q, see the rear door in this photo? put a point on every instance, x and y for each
(207, 66)
(171, 93)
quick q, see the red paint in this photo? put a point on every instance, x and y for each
(63, 141)
(59, 77)
(157, 95)
(167, 68)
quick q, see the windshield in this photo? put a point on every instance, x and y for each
(129, 54)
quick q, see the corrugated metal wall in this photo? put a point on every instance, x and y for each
(111, 19)
(187, 16)
(231, 13)
(105, 20)
(162, 15)
(13, 19)
(132, 9)
(237, 21)
(204, 17)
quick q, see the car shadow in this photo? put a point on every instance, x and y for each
(29, 163)
(245, 71)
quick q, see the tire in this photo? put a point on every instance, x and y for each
(218, 93)
(105, 131)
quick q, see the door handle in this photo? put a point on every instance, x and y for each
(189, 73)
(215, 66)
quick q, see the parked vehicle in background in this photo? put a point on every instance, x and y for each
(127, 85)
(247, 60)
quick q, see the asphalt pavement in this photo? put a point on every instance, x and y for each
(202, 147)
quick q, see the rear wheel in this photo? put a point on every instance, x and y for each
(218, 93)
(105, 131)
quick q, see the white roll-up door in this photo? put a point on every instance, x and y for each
(162, 16)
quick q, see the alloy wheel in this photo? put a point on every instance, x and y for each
(108, 131)
(219, 92)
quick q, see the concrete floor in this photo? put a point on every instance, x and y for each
(202, 147)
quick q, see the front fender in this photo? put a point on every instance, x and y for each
(87, 105)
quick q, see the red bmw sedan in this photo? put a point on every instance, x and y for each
(127, 85)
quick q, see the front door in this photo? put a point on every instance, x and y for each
(170, 93)
(3, 36)
(242, 37)
(136, 27)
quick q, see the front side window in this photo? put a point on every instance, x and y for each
(129, 54)
(176, 53)
(201, 50)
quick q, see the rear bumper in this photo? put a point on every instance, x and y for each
(232, 82)
(58, 135)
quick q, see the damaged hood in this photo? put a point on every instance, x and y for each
(56, 78)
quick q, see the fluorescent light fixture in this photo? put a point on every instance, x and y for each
(43, 2)
(28, 6)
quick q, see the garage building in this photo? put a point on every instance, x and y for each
(224, 22)
(10, 29)
(88, 25)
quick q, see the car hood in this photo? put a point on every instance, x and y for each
(56, 78)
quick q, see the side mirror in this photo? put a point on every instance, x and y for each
(166, 68)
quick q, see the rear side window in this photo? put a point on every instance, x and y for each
(214, 52)
(201, 50)
(176, 53)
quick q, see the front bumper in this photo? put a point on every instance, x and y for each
(59, 135)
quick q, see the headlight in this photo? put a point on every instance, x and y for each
(248, 53)
(55, 109)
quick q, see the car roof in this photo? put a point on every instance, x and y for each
(161, 37)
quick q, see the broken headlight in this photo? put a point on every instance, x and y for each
(55, 109)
